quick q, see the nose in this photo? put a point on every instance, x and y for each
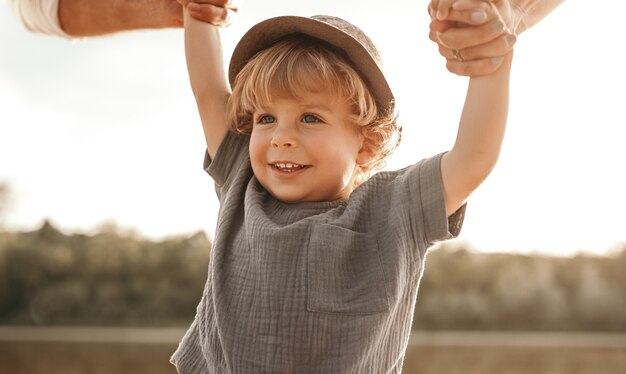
(284, 136)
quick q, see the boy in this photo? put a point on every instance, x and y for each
(315, 264)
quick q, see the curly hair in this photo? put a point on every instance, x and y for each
(297, 65)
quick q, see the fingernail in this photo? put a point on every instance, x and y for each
(478, 16)
(497, 26)
(510, 39)
(496, 60)
(440, 15)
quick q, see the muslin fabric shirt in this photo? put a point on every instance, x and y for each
(41, 16)
(313, 287)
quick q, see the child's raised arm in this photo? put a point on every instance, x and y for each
(207, 73)
(480, 134)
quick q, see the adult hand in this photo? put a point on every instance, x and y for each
(215, 12)
(473, 35)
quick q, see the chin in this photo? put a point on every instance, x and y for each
(287, 197)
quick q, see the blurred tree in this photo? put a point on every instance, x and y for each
(47, 277)
(5, 203)
(478, 291)
(117, 278)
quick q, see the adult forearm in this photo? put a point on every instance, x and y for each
(533, 11)
(100, 17)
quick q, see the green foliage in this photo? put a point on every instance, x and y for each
(477, 291)
(47, 277)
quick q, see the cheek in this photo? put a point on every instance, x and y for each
(350, 145)
(256, 149)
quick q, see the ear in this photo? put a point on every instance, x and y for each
(366, 154)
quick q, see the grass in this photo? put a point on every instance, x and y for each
(525, 360)
(153, 358)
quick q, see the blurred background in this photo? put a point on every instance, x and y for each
(106, 216)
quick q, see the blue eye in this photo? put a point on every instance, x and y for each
(265, 119)
(310, 118)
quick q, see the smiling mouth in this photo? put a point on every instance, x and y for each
(288, 167)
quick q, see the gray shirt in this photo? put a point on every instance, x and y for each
(313, 287)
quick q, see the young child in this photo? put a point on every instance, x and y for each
(315, 265)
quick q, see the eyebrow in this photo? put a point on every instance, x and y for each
(316, 107)
(303, 107)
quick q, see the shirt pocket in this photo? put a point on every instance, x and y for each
(344, 272)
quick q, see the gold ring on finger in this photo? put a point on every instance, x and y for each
(457, 55)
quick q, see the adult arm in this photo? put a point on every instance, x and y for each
(207, 72)
(523, 13)
(99, 17)
(82, 18)
(39, 16)
(533, 11)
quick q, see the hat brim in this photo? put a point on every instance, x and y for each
(268, 32)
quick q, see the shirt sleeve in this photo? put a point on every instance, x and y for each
(230, 157)
(408, 207)
(437, 225)
(40, 16)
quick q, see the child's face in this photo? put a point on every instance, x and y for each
(307, 149)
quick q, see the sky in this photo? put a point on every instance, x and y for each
(105, 129)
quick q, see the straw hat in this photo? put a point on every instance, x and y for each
(360, 50)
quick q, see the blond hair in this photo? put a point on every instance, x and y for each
(298, 64)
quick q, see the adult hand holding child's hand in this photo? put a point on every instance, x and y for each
(474, 35)
(215, 12)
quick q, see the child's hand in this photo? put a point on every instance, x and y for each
(472, 35)
(215, 12)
